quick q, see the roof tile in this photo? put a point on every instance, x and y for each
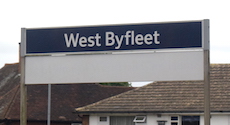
(170, 96)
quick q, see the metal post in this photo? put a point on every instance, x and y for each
(23, 96)
(206, 88)
(206, 42)
(23, 87)
(49, 104)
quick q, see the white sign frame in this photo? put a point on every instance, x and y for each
(123, 66)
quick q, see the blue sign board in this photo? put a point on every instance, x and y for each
(114, 37)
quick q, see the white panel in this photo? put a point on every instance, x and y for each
(221, 119)
(103, 122)
(202, 120)
(93, 120)
(152, 119)
(160, 66)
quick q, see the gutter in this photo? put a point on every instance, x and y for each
(149, 112)
(134, 112)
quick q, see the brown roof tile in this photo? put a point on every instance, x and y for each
(8, 74)
(173, 96)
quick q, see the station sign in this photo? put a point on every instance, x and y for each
(115, 53)
(114, 37)
(180, 53)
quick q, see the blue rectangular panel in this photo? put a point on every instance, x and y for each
(115, 37)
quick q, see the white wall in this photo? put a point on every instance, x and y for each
(220, 120)
(152, 120)
(217, 120)
(94, 120)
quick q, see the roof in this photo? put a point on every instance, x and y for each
(8, 74)
(170, 97)
(64, 98)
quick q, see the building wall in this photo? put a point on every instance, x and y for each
(217, 120)
(95, 120)
(152, 120)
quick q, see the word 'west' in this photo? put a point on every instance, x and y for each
(111, 39)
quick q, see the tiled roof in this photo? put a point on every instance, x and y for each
(64, 98)
(173, 96)
(8, 74)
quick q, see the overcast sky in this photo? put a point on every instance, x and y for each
(15, 14)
